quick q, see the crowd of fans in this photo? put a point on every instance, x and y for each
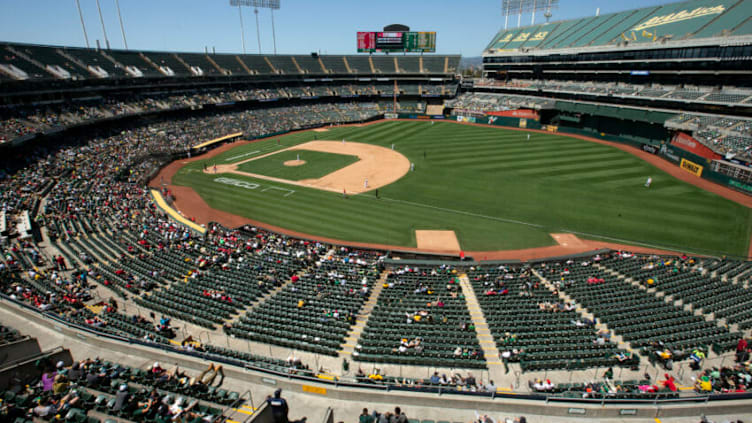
(17, 121)
(710, 94)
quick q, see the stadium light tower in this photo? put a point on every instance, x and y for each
(264, 4)
(104, 31)
(518, 7)
(83, 26)
(122, 28)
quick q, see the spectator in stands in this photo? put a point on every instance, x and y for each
(44, 409)
(279, 407)
(741, 347)
(365, 417)
(122, 399)
(48, 380)
(399, 416)
(207, 377)
(60, 385)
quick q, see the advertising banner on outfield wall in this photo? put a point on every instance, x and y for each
(649, 149)
(691, 167)
(690, 144)
(519, 113)
(468, 119)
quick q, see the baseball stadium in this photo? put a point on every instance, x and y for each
(556, 230)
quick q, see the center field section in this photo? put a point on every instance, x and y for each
(317, 164)
(496, 190)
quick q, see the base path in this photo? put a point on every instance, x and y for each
(378, 166)
(437, 241)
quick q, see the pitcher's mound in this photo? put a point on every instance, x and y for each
(294, 163)
(437, 240)
(320, 130)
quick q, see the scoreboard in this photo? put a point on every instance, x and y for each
(410, 42)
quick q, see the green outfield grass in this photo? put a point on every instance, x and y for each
(317, 164)
(494, 188)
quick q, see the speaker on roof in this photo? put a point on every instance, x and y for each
(314, 55)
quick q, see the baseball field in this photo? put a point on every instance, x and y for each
(494, 188)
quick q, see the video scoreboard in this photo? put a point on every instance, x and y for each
(388, 42)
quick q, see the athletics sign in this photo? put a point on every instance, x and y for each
(680, 16)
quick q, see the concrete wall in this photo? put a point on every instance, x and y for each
(18, 349)
(26, 370)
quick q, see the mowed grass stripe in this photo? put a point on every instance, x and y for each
(566, 168)
(511, 164)
(444, 156)
(524, 160)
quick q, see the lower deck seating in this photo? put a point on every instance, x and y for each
(535, 327)
(314, 311)
(421, 318)
(639, 317)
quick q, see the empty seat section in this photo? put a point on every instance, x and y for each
(48, 56)
(409, 64)
(309, 64)
(677, 29)
(169, 61)
(614, 34)
(315, 309)
(684, 279)
(256, 62)
(725, 23)
(544, 31)
(639, 317)
(129, 58)
(383, 64)
(230, 63)
(522, 36)
(335, 64)
(200, 60)
(421, 319)
(606, 22)
(91, 57)
(584, 27)
(524, 315)
(563, 30)
(433, 64)
(284, 64)
(359, 64)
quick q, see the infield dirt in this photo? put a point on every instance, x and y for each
(377, 166)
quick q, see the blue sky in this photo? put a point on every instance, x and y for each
(302, 26)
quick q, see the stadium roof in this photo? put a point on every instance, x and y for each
(690, 20)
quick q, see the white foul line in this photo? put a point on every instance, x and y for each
(242, 155)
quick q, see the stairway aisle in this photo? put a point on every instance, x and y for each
(490, 352)
(353, 335)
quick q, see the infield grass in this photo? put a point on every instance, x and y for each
(317, 164)
(495, 189)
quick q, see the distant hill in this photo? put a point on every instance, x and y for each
(471, 62)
